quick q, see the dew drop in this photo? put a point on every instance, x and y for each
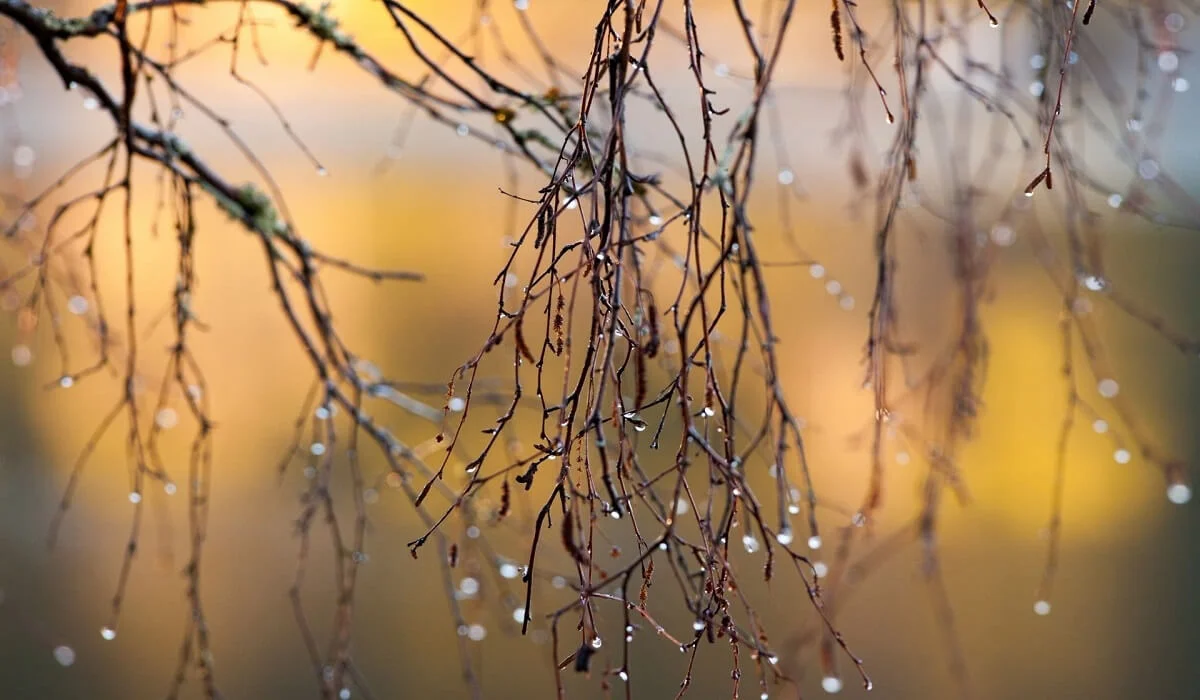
(468, 586)
(462, 130)
(698, 625)
(784, 536)
(476, 632)
(1179, 493)
(65, 655)
(655, 220)
(623, 675)
(107, 633)
(1115, 200)
(750, 542)
(135, 497)
(833, 287)
(1003, 235)
(1168, 61)
(1100, 426)
(322, 171)
(814, 542)
(831, 684)
(66, 382)
(22, 355)
(597, 642)
(1122, 456)
(902, 458)
(1108, 388)
(786, 177)
(457, 404)
(170, 488)
(1042, 607)
(509, 571)
(521, 5)
(820, 569)
(317, 449)
(817, 270)
(519, 615)
(166, 418)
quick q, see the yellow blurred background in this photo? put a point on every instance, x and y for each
(1125, 620)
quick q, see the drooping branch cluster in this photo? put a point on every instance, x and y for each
(630, 385)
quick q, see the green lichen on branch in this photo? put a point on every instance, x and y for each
(252, 207)
(325, 26)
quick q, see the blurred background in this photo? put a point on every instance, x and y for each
(1125, 620)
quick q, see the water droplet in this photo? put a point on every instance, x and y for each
(1115, 200)
(1180, 84)
(1108, 388)
(166, 418)
(476, 632)
(1174, 22)
(322, 171)
(902, 458)
(170, 488)
(1100, 426)
(1094, 283)
(833, 287)
(655, 220)
(721, 70)
(681, 507)
(1122, 456)
(597, 642)
(23, 156)
(135, 497)
(344, 694)
(750, 542)
(457, 404)
(817, 270)
(317, 449)
(519, 615)
(1037, 61)
(22, 355)
(468, 586)
(509, 571)
(90, 102)
(66, 382)
(820, 569)
(1148, 169)
(1179, 493)
(462, 130)
(473, 533)
(1036, 88)
(814, 542)
(859, 519)
(786, 177)
(1042, 607)
(65, 655)
(623, 675)
(698, 625)
(1168, 61)
(708, 412)
(107, 633)
(1003, 235)
(831, 684)
(847, 303)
